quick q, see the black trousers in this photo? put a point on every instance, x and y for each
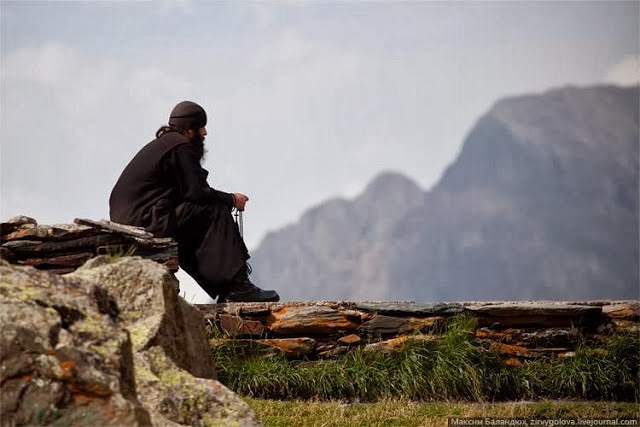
(210, 248)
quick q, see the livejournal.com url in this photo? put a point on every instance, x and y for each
(526, 422)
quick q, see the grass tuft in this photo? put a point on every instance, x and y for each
(116, 252)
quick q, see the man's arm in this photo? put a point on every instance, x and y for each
(191, 178)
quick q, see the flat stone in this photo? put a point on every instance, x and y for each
(567, 355)
(548, 337)
(392, 344)
(255, 311)
(32, 247)
(350, 339)
(395, 344)
(153, 244)
(538, 322)
(511, 350)
(71, 260)
(552, 350)
(291, 347)
(530, 338)
(425, 324)
(22, 219)
(15, 223)
(598, 303)
(386, 325)
(500, 336)
(513, 361)
(27, 231)
(50, 232)
(17, 245)
(523, 321)
(328, 350)
(626, 311)
(236, 326)
(115, 227)
(534, 309)
(243, 309)
(309, 320)
(535, 314)
(410, 308)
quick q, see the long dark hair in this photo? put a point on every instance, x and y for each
(165, 129)
(197, 142)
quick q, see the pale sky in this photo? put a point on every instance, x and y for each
(307, 100)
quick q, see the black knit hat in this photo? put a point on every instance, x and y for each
(187, 115)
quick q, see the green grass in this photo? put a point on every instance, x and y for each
(453, 369)
(394, 412)
(116, 252)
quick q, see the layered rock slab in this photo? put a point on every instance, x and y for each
(62, 248)
(514, 329)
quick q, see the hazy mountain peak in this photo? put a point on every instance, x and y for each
(571, 114)
(389, 181)
(390, 188)
(541, 203)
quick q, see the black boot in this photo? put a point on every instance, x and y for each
(243, 290)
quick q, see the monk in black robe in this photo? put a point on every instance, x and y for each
(164, 189)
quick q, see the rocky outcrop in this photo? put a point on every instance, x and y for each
(62, 248)
(324, 329)
(110, 344)
(64, 356)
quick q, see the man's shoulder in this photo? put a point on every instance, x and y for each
(171, 140)
(167, 142)
(162, 145)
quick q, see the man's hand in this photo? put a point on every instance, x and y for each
(239, 200)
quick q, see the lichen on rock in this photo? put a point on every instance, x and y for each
(110, 344)
(50, 373)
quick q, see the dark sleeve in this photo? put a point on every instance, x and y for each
(191, 178)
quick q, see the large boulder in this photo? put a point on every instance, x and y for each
(152, 310)
(110, 344)
(64, 356)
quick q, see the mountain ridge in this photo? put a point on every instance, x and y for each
(540, 203)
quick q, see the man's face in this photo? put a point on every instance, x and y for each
(198, 135)
(197, 139)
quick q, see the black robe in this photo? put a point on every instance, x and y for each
(164, 189)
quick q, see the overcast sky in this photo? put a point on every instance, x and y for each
(306, 99)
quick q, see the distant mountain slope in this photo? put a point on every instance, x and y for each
(542, 202)
(317, 257)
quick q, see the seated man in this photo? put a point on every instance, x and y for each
(164, 189)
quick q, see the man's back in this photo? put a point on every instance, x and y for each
(144, 193)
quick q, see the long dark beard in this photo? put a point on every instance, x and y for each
(197, 142)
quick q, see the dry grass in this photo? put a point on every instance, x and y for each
(408, 413)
